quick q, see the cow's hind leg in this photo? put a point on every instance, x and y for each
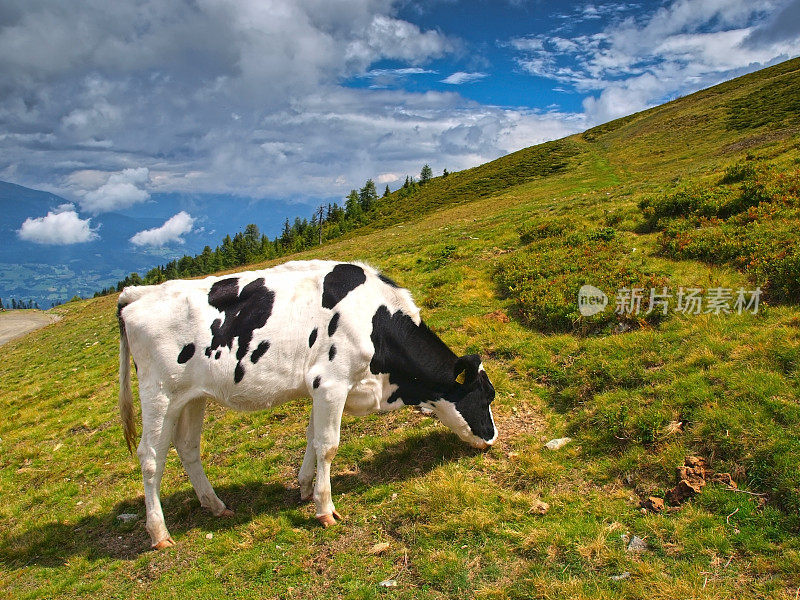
(158, 425)
(187, 443)
(306, 477)
(328, 405)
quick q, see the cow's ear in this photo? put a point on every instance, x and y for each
(466, 370)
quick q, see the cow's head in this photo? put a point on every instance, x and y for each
(466, 407)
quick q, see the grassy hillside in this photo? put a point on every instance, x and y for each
(699, 193)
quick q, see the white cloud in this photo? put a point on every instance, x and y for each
(59, 227)
(198, 92)
(170, 231)
(460, 77)
(120, 190)
(387, 178)
(679, 48)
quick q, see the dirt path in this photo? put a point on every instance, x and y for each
(16, 323)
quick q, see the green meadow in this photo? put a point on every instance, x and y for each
(702, 193)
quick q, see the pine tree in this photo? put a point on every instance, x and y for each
(353, 206)
(368, 196)
(426, 175)
(445, 173)
(387, 191)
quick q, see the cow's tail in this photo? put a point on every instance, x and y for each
(125, 392)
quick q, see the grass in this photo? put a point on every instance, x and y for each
(635, 399)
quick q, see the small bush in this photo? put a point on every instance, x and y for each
(752, 226)
(545, 277)
(542, 229)
(738, 172)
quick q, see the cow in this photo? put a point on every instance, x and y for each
(342, 333)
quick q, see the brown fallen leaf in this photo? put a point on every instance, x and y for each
(379, 548)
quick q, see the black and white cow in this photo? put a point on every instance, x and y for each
(341, 333)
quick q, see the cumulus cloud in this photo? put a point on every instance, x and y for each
(120, 190)
(682, 46)
(171, 231)
(60, 227)
(189, 91)
(460, 77)
(387, 178)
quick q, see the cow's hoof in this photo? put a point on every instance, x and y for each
(227, 512)
(165, 543)
(306, 498)
(328, 520)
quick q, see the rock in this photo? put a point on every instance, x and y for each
(636, 544)
(558, 443)
(620, 577)
(653, 504)
(388, 583)
(379, 548)
(209, 536)
(128, 517)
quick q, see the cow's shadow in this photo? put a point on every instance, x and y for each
(103, 535)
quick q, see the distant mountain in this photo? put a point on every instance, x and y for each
(51, 274)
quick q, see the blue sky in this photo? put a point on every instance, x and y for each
(126, 105)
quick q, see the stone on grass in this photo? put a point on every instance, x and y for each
(557, 443)
(127, 517)
(637, 544)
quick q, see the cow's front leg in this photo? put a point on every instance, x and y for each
(327, 418)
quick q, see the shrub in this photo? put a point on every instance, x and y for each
(753, 226)
(542, 229)
(544, 279)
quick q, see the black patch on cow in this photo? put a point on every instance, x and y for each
(342, 280)
(208, 351)
(425, 369)
(473, 405)
(259, 352)
(387, 281)
(414, 357)
(186, 353)
(312, 338)
(245, 311)
(333, 324)
(218, 354)
(332, 352)
(224, 293)
(317, 381)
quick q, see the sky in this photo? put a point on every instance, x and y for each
(114, 105)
